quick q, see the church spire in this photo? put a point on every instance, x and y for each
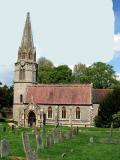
(27, 39)
(27, 50)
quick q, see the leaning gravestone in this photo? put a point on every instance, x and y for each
(30, 155)
(39, 142)
(4, 148)
(91, 140)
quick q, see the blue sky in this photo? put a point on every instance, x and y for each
(64, 31)
(116, 8)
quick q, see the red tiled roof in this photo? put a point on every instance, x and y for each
(100, 94)
(60, 94)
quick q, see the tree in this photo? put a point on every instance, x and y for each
(44, 62)
(108, 107)
(78, 71)
(116, 119)
(55, 75)
(45, 67)
(100, 74)
(44, 74)
(6, 97)
(61, 74)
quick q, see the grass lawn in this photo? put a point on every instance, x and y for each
(76, 148)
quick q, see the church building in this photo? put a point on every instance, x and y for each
(35, 104)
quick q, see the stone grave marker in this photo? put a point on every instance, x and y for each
(4, 148)
(91, 140)
(77, 131)
(60, 136)
(48, 140)
(4, 129)
(39, 142)
(35, 130)
(30, 155)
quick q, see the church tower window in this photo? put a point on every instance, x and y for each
(22, 74)
(77, 113)
(21, 98)
(63, 112)
(49, 112)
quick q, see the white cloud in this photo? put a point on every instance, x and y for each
(117, 42)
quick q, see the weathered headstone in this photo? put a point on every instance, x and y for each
(30, 155)
(111, 127)
(13, 128)
(77, 131)
(4, 129)
(35, 130)
(48, 140)
(39, 142)
(4, 148)
(91, 140)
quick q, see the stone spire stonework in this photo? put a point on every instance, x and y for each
(27, 50)
(27, 39)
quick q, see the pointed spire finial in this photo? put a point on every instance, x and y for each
(27, 39)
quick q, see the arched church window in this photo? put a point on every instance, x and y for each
(21, 98)
(77, 113)
(23, 56)
(22, 74)
(29, 55)
(49, 112)
(63, 112)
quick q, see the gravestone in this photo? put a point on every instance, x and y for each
(48, 140)
(30, 155)
(63, 135)
(13, 128)
(4, 129)
(67, 135)
(56, 137)
(91, 140)
(77, 131)
(39, 142)
(60, 137)
(4, 148)
(35, 130)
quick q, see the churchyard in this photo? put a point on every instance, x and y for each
(49, 143)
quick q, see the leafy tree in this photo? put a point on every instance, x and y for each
(54, 75)
(100, 74)
(44, 74)
(6, 97)
(45, 67)
(108, 107)
(44, 62)
(116, 120)
(78, 71)
(61, 74)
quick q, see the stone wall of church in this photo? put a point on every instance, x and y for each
(87, 114)
(16, 111)
(19, 89)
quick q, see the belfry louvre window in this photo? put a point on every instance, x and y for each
(21, 98)
(49, 112)
(77, 113)
(63, 112)
(22, 74)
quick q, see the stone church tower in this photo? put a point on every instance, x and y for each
(25, 68)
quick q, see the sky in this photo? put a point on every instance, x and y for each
(116, 9)
(64, 31)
